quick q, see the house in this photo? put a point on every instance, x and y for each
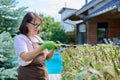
(67, 25)
(100, 19)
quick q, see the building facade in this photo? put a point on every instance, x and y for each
(100, 20)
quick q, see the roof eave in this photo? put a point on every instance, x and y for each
(88, 6)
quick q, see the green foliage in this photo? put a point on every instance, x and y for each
(58, 33)
(8, 70)
(70, 38)
(10, 16)
(99, 62)
(8, 74)
(51, 30)
(81, 75)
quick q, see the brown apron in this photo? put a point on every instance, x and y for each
(35, 70)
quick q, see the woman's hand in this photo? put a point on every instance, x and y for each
(50, 54)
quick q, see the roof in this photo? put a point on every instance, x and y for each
(87, 6)
(67, 16)
(113, 4)
(64, 8)
(72, 16)
(77, 14)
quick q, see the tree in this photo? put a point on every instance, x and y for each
(51, 30)
(10, 16)
(8, 69)
(58, 34)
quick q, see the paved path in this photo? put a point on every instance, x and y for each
(55, 77)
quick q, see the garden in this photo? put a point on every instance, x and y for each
(83, 62)
(98, 62)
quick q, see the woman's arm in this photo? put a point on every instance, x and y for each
(50, 54)
(27, 56)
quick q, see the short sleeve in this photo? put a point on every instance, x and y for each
(20, 45)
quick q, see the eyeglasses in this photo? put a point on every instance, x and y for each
(35, 25)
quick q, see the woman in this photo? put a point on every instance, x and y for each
(31, 56)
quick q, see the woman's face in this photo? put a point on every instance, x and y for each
(33, 27)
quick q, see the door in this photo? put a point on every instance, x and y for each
(81, 34)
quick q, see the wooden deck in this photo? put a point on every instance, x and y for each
(55, 77)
